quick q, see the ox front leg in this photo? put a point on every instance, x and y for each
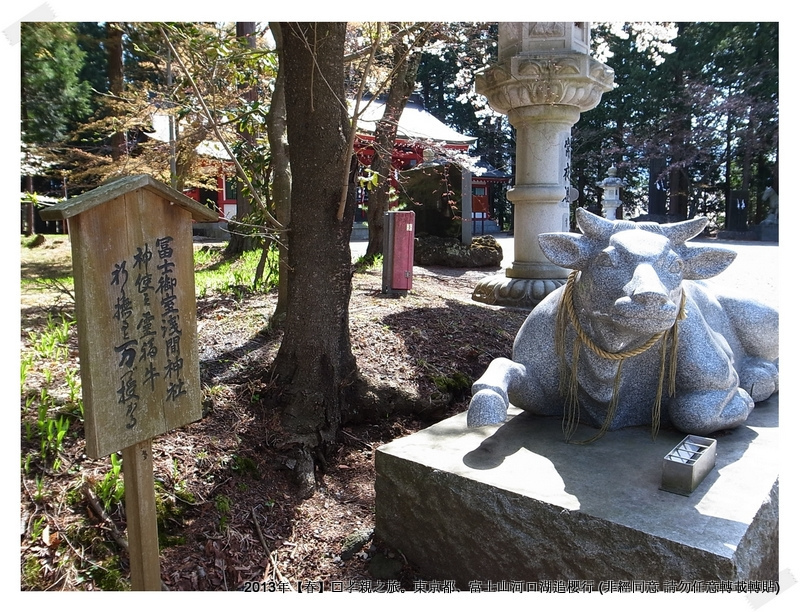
(489, 404)
(704, 412)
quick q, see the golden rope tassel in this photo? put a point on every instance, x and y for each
(572, 406)
(561, 340)
(655, 417)
(673, 358)
(655, 423)
(568, 375)
(612, 408)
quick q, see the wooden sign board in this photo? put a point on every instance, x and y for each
(135, 305)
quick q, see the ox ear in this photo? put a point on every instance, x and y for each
(566, 249)
(680, 232)
(704, 262)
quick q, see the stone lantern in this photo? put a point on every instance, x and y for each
(611, 186)
(544, 80)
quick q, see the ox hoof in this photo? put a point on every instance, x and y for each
(760, 380)
(486, 408)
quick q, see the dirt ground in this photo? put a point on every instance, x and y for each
(230, 514)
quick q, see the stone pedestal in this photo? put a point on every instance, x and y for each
(543, 81)
(767, 232)
(517, 503)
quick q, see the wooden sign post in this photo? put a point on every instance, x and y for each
(133, 262)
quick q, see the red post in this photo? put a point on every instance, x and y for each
(398, 253)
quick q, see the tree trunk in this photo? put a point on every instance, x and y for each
(281, 173)
(776, 169)
(30, 214)
(315, 363)
(728, 155)
(747, 161)
(115, 81)
(681, 121)
(401, 87)
(241, 235)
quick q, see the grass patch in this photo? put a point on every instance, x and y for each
(245, 465)
(109, 578)
(223, 505)
(368, 262)
(457, 384)
(215, 274)
(51, 343)
(31, 575)
(111, 489)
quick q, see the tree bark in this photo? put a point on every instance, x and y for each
(681, 121)
(728, 155)
(776, 169)
(281, 172)
(315, 363)
(115, 81)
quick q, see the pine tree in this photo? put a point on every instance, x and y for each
(54, 98)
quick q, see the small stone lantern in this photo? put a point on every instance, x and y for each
(611, 186)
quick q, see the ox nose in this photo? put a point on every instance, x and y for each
(646, 288)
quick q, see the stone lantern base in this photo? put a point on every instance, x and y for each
(500, 290)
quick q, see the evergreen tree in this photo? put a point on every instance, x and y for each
(91, 38)
(446, 78)
(53, 95)
(700, 96)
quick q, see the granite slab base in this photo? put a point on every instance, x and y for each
(515, 502)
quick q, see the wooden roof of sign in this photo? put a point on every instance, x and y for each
(104, 193)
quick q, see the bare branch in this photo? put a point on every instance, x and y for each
(354, 125)
(420, 35)
(239, 170)
(369, 49)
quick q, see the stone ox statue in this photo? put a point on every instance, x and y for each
(633, 331)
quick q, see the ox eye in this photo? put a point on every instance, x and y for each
(675, 266)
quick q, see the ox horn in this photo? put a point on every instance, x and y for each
(680, 232)
(593, 226)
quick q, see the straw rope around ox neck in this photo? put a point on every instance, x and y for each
(568, 377)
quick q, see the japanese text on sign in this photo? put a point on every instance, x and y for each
(567, 167)
(149, 324)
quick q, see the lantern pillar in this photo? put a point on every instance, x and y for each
(543, 80)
